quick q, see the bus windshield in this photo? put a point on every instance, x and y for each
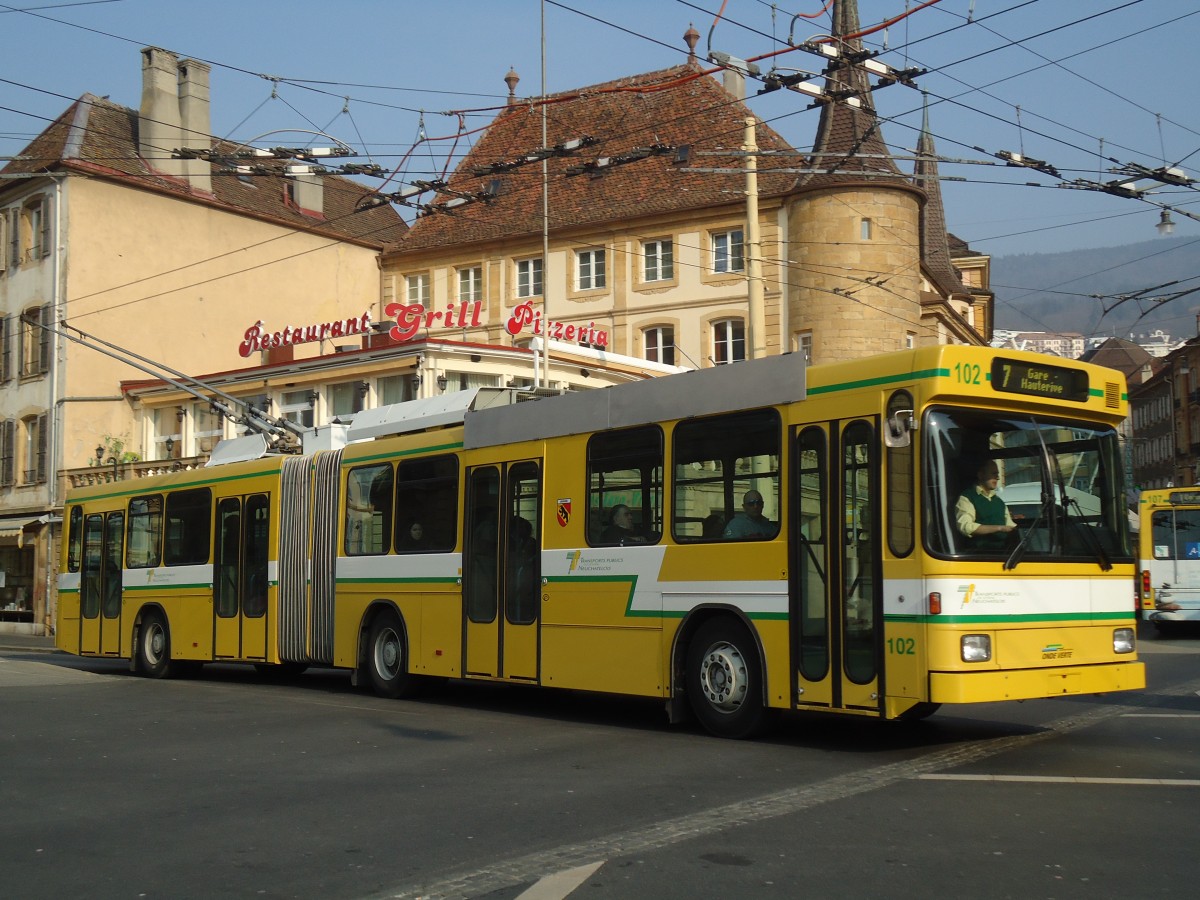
(1059, 486)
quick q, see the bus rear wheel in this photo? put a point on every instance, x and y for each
(387, 654)
(154, 646)
(724, 680)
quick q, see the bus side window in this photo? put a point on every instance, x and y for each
(75, 539)
(625, 468)
(727, 467)
(145, 532)
(187, 533)
(427, 495)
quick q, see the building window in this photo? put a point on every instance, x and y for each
(207, 427)
(35, 341)
(803, 346)
(417, 287)
(659, 261)
(346, 399)
(729, 341)
(394, 389)
(864, 229)
(465, 381)
(910, 340)
(529, 278)
(660, 345)
(727, 251)
(589, 270)
(34, 455)
(29, 236)
(298, 406)
(168, 432)
(470, 284)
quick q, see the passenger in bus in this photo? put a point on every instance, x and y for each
(621, 529)
(522, 571)
(980, 512)
(414, 538)
(713, 525)
(750, 522)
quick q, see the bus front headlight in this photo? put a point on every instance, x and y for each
(1122, 640)
(976, 647)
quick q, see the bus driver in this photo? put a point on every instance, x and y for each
(980, 512)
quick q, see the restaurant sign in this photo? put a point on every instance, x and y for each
(259, 338)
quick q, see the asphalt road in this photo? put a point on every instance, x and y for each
(228, 785)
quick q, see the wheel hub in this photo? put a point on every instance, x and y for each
(723, 677)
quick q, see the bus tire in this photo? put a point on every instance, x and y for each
(387, 657)
(724, 680)
(154, 646)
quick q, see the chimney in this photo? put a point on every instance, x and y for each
(734, 84)
(195, 122)
(158, 118)
(308, 193)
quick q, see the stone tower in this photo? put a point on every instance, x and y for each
(854, 225)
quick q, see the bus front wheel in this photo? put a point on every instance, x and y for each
(154, 646)
(386, 657)
(724, 680)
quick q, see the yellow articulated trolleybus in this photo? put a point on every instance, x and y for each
(730, 540)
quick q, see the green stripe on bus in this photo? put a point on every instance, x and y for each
(1001, 620)
(392, 454)
(163, 586)
(162, 488)
(875, 382)
(395, 581)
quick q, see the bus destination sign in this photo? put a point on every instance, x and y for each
(1184, 498)
(1020, 377)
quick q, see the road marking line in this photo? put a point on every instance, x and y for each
(505, 873)
(1161, 716)
(560, 884)
(1066, 779)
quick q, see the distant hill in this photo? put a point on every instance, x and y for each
(1040, 291)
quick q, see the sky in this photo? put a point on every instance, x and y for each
(1086, 86)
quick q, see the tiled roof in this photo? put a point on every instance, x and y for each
(1120, 354)
(849, 146)
(99, 137)
(677, 107)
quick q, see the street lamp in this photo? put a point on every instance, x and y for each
(113, 460)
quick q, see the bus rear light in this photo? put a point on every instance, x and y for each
(1122, 640)
(935, 603)
(1145, 582)
(976, 647)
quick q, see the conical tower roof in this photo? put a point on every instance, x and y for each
(849, 147)
(935, 247)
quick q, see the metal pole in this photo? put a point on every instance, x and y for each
(754, 286)
(545, 228)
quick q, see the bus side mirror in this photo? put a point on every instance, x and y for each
(898, 428)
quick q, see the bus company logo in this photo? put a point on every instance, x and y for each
(593, 565)
(564, 512)
(968, 591)
(574, 558)
(1056, 651)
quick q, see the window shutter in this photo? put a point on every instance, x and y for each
(41, 475)
(8, 436)
(47, 231)
(5, 354)
(14, 238)
(3, 239)
(44, 339)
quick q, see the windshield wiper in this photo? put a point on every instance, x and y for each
(1091, 539)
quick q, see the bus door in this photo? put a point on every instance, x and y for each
(100, 588)
(835, 588)
(502, 571)
(240, 577)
